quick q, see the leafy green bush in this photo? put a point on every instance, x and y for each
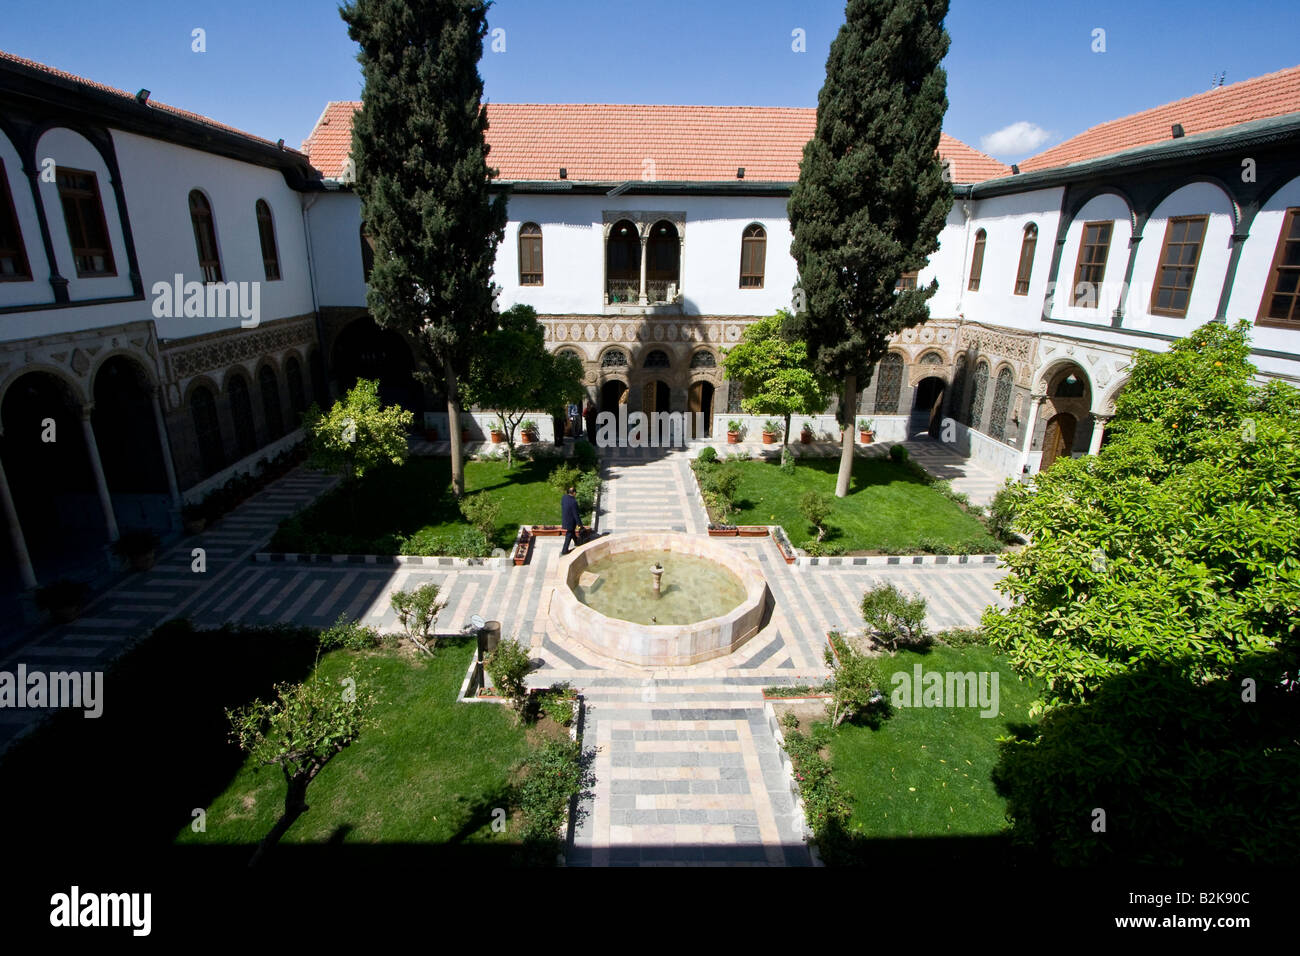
(349, 634)
(708, 454)
(895, 618)
(552, 776)
(898, 453)
(584, 453)
(822, 549)
(824, 803)
(417, 610)
(962, 636)
(790, 720)
(508, 666)
(855, 683)
(556, 702)
(588, 485)
(563, 476)
(1002, 510)
(815, 506)
(463, 543)
(482, 511)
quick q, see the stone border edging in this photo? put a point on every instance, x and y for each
(895, 560)
(429, 560)
(774, 726)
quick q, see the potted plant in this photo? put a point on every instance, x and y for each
(64, 599)
(865, 432)
(733, 431)
(723, 531)
(806, 435)
(138, 547)
(528, 431)
(194, 517)
(431, 433)
(498, 432)
(770, 430)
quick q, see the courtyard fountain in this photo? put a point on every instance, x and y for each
(700, 600)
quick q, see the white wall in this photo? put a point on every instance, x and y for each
(1254, 271)
(334, 219)
(1108, 206)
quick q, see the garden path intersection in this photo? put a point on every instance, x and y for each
(687, 767)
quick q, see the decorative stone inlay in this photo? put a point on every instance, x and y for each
(80, 362)
(237, 345)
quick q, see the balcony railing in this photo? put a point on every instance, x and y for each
(623, 291)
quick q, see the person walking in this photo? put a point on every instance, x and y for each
(569, 519)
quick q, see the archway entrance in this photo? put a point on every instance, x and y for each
(655, 397)
(1058, 439)
(927, 409)
(129, 446)
(364, 350)
(612, 394)
(699, 399)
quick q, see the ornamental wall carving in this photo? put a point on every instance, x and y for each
(75, 357)
(213, 355)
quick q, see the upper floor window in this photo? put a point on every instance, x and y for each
(906, 281)
(1281, 302)
(83, 213)
(753, 257)
(266, 233)
(205, 236)
(1026, 267)
(1091, 267)
(13, 255)
(530, 254)
(1177, 270)
(977, 261)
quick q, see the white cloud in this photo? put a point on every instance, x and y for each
(1015, 140)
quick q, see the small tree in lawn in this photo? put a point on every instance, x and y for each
(815, 507)
(508, 666)
(357, 434)
(513, 373)
(482, 511)
(894, 617)
(300, 731)
(855, 681)
(417, 610)
(872, 196)
(775, 372)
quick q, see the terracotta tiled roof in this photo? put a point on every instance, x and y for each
(1266, 96)
(607, 143)
(153, 104)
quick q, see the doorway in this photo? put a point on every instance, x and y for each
(1058, 439)
(699, 399)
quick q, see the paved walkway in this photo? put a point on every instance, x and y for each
(687, 770)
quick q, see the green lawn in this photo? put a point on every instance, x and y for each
(888, 508)
(409, 508)
(925, 771)
(430, 770)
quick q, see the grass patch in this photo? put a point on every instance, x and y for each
(409, 509)
(889, 508)
(925, 771)
(428, 771)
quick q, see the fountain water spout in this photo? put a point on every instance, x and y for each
(657, 571)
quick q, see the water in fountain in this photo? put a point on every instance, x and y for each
(693, 589)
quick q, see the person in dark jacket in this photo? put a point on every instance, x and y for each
(569, 518)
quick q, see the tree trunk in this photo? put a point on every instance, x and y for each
(848, 408)
(295, 805)
(785, 436)
(453, 426)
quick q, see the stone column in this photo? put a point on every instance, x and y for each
(97, 468)
(1098, 431)
(169, 466)
(641, 299)
(1035, 403)
(16, 539)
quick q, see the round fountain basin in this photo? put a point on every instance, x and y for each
(713, 598)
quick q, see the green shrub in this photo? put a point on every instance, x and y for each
(553, 775)
(482, 511)
(508, 666)
(417, 610)
(855, 683)
(793, 690)
(588, 485)
(962, 636)
(896, 618)
(824, 802)
(584, 453)
(815, 506)
(556, 702)
(563, 477)
(349, 634)
(708, 454)
(790, 720)
(898, 453)
(463, 543)
(1002, 510)
(822, 549)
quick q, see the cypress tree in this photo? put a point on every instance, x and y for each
(872, 195)
(425, 184)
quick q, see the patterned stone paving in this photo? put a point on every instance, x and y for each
(687, 770)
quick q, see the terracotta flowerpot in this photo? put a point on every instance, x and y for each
(733, 437)
(723, 532)
(806, 437)
(527, 438)
(464, 435)
(866, 437)
(769, 438)
(497, 437)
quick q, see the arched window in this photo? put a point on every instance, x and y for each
(614, 358)
(977, 261)
(931, 358)
(241, 411)
(623, 263)
(753, 257)
(205, 237)
(1001, 401)
(889, 384)
(270, 390)
(977, 397)
(657, 359)
(297, 394)
(83, 214)
(704, 359)
(207, 431)
(266, 233)
(1026, 268)
(569, 353)
(530, 254)
(663, 252)
(367, 253)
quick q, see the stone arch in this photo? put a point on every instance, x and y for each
(130, 451)
(239, 398)
(268, 389)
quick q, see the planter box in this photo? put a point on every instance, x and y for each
(723, 532)
(523, 548)
(753, 531)
(733, 438)
(540, 530)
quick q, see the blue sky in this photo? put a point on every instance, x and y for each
(270, 66)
